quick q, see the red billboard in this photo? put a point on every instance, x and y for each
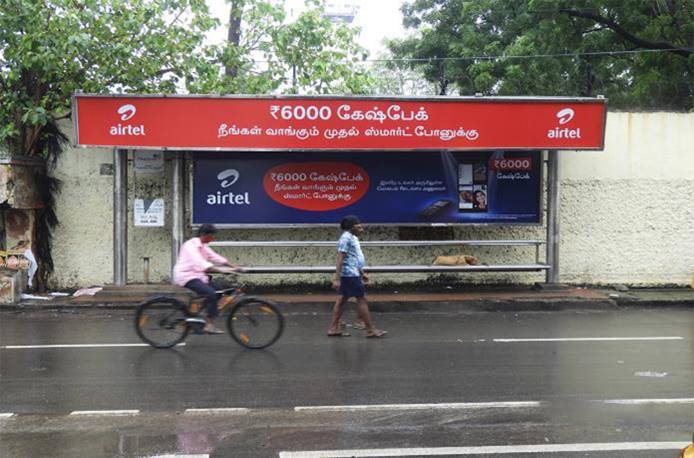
(243, 123)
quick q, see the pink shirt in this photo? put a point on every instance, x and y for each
(193, 259)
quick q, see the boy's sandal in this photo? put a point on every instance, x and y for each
(376, 335)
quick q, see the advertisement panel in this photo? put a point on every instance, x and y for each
(332, 123)
(410, 188)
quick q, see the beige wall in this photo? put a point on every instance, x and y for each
(626, 217)
(627, 214)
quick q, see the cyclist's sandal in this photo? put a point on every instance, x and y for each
(212, 330)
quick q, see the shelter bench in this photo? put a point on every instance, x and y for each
(537, 266)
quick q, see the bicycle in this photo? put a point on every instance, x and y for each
(253, 322)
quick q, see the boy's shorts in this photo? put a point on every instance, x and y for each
(351, 287)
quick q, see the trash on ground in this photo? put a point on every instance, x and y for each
(650, 374)
(87, 291)
(34, 297)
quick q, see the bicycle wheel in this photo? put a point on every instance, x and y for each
(255, 323)
(161, 322)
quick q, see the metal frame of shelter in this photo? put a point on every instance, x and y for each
(120, 185)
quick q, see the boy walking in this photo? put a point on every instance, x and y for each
(350, 278)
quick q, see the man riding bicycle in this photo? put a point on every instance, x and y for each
(195, 261)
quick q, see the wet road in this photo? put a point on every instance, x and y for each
(568, 383)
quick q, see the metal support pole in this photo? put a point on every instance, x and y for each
(120, 217)
(553, 216)
(176, 208)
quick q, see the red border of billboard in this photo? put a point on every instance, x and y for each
(247, 123)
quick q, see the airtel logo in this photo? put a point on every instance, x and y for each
(231, 174)
(127, 112)
(227, 178)
(565, 115)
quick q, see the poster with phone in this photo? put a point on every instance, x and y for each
(421, 188)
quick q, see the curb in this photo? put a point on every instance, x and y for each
(395, 305)
(489, 305)
(655, 303)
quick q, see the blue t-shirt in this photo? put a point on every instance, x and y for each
(354, 258)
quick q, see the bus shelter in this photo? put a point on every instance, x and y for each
(276, 161)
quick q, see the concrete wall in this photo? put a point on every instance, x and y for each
(627, 214)
(626, 217)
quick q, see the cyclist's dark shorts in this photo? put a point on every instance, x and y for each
(351, 287)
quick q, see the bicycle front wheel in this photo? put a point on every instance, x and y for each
(255, 323)
(161, 322)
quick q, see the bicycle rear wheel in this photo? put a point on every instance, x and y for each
(161, 322)
(255, 323)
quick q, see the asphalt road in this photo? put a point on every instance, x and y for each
(571, 383)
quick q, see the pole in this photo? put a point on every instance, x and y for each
(120, 217)
(553, 216)
(177, 208)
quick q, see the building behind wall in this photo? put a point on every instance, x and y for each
(625, 217)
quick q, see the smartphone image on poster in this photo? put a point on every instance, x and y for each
(465, 198)
(479, 198)
(479, 173)
(434, 207)
(464, 174)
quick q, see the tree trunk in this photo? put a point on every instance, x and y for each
(234, 33)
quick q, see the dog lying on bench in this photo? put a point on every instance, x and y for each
(456, 260)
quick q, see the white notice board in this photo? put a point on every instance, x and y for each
(149, 212)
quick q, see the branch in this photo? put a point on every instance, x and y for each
(175, 20)
(66, 116)
(35, 134)
(594, 29)
(164, 71)
(619, 30)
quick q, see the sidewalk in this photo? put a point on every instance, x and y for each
(488, 298)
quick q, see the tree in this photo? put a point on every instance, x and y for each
(266, 53)
(51, 48)
(637, 53)
(392, 77)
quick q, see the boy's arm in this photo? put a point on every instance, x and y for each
(338, 269)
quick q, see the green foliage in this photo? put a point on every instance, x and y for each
(490, 41)
(52, 48)
(397, 78)
(309, 55)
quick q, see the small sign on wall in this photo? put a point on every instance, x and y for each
(149, 162)
(149, 212)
